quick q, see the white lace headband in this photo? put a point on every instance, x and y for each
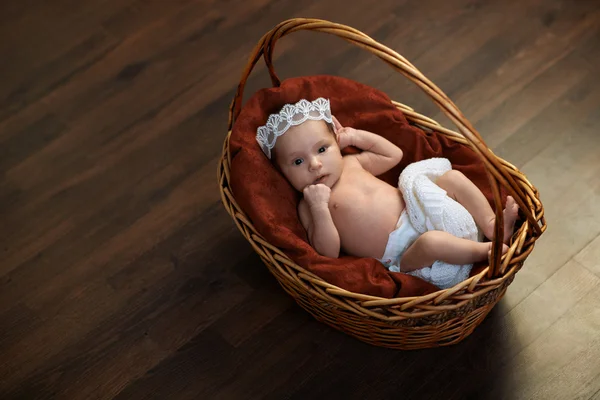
(291, 115)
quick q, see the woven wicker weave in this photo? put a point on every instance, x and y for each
(441, 318)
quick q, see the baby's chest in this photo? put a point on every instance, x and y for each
(348, 198)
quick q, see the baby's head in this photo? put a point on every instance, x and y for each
(301, 140)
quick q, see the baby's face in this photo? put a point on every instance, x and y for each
(308, 154)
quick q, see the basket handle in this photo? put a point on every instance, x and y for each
(496, 173)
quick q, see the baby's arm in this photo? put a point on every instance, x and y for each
(379, 154)
(438, 245)
(316, 219)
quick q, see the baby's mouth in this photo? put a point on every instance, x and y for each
(320, 179)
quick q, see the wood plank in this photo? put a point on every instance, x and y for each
(244, 320)
(140, 15)
(47, 45)
(579, 102)
(561, 358)
(569, 284)
(16, 322)
(30, 139)
(140, 303)
(436, 46)
(53, 73)
(577, 215)
(589, 256)
(505, 334)
(219, 366)
(564, 170)
(150, 220)
(535, 69)
(449, 372)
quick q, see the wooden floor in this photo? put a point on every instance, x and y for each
(121, 275)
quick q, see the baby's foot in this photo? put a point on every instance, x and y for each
(511, 212)
(504, 250)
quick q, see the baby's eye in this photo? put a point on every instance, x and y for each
(322, 149)
(298, 161)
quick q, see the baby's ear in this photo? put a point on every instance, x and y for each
(336, 124)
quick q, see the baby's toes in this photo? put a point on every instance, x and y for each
(512, 205)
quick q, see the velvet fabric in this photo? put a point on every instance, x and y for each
(271, 202)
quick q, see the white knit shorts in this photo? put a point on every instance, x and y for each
(436, 211)
(398, 242)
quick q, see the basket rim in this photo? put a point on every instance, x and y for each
(496, 173)
(397, 308)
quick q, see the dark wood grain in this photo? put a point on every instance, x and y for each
(122, 276)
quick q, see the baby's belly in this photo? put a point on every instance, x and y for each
(364, 224)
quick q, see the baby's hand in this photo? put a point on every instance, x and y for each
(345, 137)
(317, 195)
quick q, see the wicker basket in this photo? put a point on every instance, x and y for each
(442, 318)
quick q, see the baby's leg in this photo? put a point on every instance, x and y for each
(461, 189)
(438, 245)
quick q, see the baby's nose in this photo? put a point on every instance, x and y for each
(315, 163)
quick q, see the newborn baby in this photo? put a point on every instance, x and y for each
(346, 207)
